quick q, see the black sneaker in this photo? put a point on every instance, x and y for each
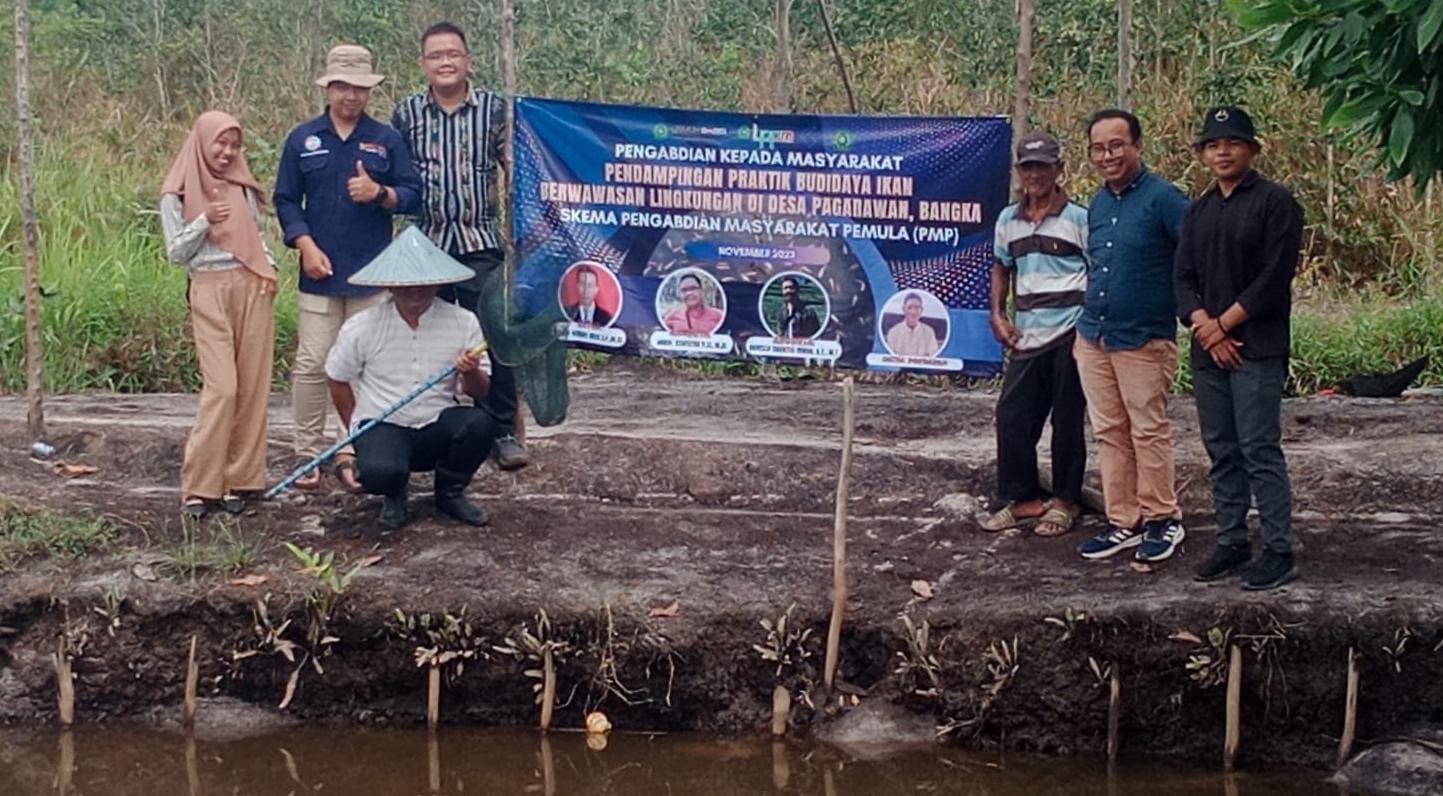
(1271, 571)
(1110, 542)
(457, 507)
(1226, 560)
(1160, 539)
(511, 454)
(394, 514)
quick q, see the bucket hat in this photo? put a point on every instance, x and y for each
(349, 64)
(411, 260)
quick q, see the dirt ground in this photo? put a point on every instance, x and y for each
(670, 515)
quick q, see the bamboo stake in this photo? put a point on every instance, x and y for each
(65, 771)
(1022, 107)
(781, 710)
(66, 685)
(548, 690)
(783, 14)
(433, 760)
(192, 682)
(1234, 708)
(1350, 710)
(839, 535)
(548, 768)
(1114, 712)
(30, 227)
(837, 54)
(433, 696)
(1124, 54)
(192, 766)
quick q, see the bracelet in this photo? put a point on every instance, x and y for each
(1224, 329)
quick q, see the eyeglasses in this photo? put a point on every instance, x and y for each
(1111, 149)
(445, 55)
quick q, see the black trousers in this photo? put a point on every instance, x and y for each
(454, 446)
(1033, 388)
(500, 400)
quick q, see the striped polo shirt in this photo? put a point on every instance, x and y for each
(1049, 259)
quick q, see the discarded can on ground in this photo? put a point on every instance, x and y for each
(41, 449)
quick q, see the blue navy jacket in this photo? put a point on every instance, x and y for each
(1131, 238)
(311, 196)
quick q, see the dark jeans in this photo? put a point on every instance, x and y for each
(454, 446)
(1240, 412)
(500, 400)
(1032, 388)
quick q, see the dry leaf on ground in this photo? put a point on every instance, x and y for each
(666, 610)
(923, 589)
(1185, 636)
(1142, 567)
(144, 572)
(73, 470)
(370, 561)
(252, 579)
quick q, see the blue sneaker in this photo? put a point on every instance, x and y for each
(1112, 541)
(1160, 539)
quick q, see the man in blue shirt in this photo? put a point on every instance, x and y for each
(1126, 345)
(342, 176)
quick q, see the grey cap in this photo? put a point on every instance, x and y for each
(1038, 147)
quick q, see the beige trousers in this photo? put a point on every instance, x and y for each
(318, 321)
(234, 328)
(1127, 404)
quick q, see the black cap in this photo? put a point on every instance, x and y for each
(1038, 147)
(1227, 121)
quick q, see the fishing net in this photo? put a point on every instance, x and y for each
(526, 329)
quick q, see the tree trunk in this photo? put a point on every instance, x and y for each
(1124, 54)
(30, 226)
(1022, 109)
(785, 96)
(837, 54)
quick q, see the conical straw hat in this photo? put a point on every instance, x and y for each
(411, 260)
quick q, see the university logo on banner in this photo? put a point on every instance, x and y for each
(847, 240)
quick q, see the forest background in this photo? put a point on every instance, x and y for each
(116, 83)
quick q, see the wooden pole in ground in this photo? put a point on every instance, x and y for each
(783, 15)
(192, 685)
(548, 768)
(1022, 107)
(1124, 54)
(1114, 713)
(192, 766)
(433, 696)
(65, 771)
(433, 761)
(548, 689)
(65, 685)
(30, 227)
(837, 54)
(781, 710)
(1350, 710)
(839, 535)
(1233, 734)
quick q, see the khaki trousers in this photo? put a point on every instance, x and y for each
(1127, 404)
(234, 329)
(318, 321)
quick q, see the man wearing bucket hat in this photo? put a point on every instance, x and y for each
(384, 352)
(342, 175)
(1233, 277)
(456, 133)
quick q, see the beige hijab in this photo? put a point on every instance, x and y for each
(199, 182)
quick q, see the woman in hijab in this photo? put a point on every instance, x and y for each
(210, 212)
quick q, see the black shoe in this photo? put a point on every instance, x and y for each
(1271, 571)
(1226, 560)
(394, 514)
(510, 453)
(457, 507)
(232, 503)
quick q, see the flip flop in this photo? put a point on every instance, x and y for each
(1003, 520)
(1057, 521)
(345, 470)
(310, 481)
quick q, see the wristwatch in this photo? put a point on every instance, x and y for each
(380, 196)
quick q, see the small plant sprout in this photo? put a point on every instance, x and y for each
(1068, 622)
(1002, 664)
(540, 649)
(784, 644)
(918, 665)
(1209, 667)
(444, 641)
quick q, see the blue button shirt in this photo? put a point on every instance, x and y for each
(311, 196)
(1131, 238)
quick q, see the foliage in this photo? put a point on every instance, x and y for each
(785, 643)
(443, 641)
(536, 647)
(28, 532)
(1379, 65)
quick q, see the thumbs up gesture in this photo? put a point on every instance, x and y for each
(361, 187)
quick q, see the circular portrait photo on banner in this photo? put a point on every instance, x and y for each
(589, 294)
(691, 301)
(914, 323)
(794, 306)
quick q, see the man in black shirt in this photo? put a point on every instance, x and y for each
(1233, 276)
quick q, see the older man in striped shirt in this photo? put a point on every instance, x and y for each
(1040, 250)
(456, 136)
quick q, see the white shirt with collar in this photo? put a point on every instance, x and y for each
(384, 359)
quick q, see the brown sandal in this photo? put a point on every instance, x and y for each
(1057, 521)
(345, 471)
(311, 481)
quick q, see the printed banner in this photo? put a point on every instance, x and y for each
(857, 241)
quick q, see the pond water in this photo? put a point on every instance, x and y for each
(344, 760)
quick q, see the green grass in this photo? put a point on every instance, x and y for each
(217, 546)
(27, 533)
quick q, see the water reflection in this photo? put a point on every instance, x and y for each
(124, 761)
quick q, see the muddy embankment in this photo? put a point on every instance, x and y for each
(669, 517)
